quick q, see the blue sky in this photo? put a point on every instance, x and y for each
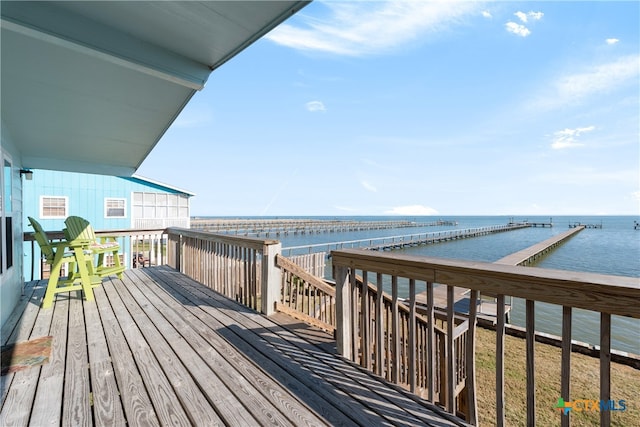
(419, 108)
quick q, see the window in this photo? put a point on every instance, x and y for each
(160, 205)
(115, 208)
(52, 207)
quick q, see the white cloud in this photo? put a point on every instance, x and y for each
(363, 28)
(487, 14)
(315, 106)
(567, 138)
(411, 210)
(517, 29)
(521, 15)
(636, 195)
(524, 17)
(536, 16)
(601, 78)
(368, 186)
(612, 41)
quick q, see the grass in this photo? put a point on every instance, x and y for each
(585, 384)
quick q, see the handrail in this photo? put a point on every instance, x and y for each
(241, 268)
(605, 294)
(313, 300)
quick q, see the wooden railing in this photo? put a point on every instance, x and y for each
(240, 268)
(306, 296)
(312, 300)
(607, 295)
(436, 370)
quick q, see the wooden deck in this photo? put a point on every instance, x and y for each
(157, 348)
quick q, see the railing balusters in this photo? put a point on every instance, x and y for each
(379, 325)
(365, 318)
(470, 361)
(430, 343)
(451, 354)
(605, 366)
(500, 332)
(565, 365)
(530, 357)
(395, 330)
(412, 335)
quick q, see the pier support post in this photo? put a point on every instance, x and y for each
(271, 278)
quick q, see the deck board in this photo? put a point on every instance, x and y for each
(158, 348)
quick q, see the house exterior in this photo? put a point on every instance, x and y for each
(108, 202)
(93, 86)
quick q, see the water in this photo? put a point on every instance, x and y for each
(614, 249)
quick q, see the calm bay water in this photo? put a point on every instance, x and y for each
(613, 249)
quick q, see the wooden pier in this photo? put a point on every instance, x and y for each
(533, 253)
(534, 224)
(579, 224)
(400, 242)
(487, 308)
(278, 227)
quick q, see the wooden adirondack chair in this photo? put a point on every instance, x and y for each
(58, 253)
(80, 230)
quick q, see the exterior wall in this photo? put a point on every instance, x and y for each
(85, 194)
(11, 280)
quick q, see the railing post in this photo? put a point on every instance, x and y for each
(343, 311)
(271, 278)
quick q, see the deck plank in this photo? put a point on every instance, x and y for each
(157, 384)
(107, 407)
(18, 404)
(158, 348)
(164, 341)
(134, 397)
(355, 389)
(47, 408)
(246, 388)
(237, 372)
(76, 409)
(7, 332)
(330, 402)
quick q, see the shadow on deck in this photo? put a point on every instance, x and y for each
(158, 348)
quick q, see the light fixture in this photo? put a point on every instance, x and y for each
(28, 174)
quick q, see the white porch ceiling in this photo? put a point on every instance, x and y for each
(93, 86)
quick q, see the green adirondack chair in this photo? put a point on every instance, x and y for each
(80, 230)
(58, 253)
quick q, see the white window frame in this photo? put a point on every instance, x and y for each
(66, 207)
(106, 209)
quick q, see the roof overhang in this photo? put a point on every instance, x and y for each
(92, 86)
